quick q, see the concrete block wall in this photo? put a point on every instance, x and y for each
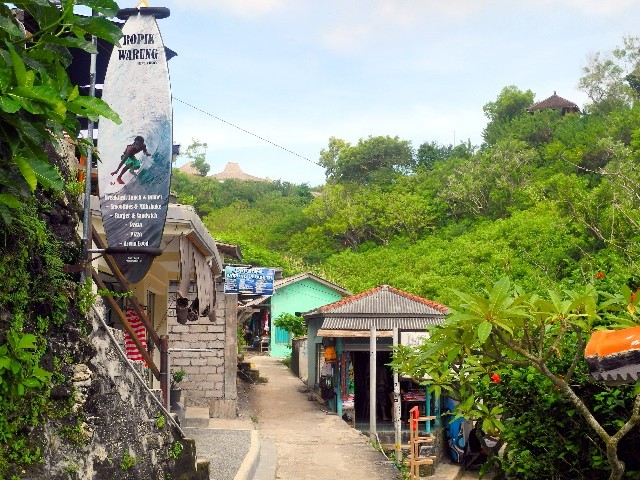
(211, 375)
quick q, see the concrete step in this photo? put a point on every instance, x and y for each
(195, 417)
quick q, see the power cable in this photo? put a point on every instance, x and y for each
(246, 131)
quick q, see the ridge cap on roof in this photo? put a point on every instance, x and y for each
(425, 301)
(349, 299)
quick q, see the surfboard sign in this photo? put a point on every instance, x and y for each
(134, 173)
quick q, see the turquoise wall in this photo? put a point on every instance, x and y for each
(301, 296)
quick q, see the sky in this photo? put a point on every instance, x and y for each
(297, 72)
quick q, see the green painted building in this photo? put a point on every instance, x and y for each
(297, 294)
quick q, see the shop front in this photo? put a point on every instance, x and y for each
(350, 344)
(348, 390)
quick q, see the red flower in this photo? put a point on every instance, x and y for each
(600, 275)
(495, 378)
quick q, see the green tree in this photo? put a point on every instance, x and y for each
(431, 152)
(530, 338)
(353, 214)
(491, 183)
(197, 152)
(39, 107)
(293, 324)
(376, 160)
(510, 104)
(610, 80)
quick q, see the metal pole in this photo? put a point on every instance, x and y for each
(396, 404)
(427, 407)
(372, 383)
(165, 369)
(86, 219)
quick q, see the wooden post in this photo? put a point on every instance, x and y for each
(165, 379)
(396, 406)
(372, 383)
(339, 382)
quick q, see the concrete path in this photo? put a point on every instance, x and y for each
(311, 443)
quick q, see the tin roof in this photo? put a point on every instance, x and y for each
(283, 282)
(382, 301)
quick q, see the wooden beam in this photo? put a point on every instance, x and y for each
(325, 332)
(127, 288)
(125, 324)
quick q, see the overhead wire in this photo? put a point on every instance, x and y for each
(246, 131)
(233, 125)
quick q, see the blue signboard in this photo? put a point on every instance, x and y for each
(257, 281)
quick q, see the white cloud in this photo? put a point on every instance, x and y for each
(383, 19)
(240, 8)
(595, 8)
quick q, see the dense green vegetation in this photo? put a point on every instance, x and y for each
(551, 201)
(41, 307)
(515, 360)
(39, 106)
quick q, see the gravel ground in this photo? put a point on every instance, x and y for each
(225, 449)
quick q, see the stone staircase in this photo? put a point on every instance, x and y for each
(247, 372)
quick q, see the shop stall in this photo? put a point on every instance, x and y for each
(351, 344)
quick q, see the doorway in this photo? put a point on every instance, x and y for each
(384, 386)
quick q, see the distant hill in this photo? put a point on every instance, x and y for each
(232, 171)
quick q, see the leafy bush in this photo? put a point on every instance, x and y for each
(516, 362)
(176, 378)
(292, 324)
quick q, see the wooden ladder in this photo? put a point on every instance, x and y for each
(415, 441)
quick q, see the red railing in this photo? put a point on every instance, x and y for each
(161, 342)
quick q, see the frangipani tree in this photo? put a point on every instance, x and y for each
(505, 353)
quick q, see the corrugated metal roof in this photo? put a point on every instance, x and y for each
(353, 333)
(381, 323)
(256, 301)
(382, 301)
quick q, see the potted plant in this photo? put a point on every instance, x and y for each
(174, 387)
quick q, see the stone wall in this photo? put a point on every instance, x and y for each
(119, 429)
(211, 375)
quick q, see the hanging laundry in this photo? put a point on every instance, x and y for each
(192, 261)
(141, 333)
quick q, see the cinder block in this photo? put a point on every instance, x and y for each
(180, 361)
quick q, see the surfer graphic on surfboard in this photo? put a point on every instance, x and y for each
(129, 159)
